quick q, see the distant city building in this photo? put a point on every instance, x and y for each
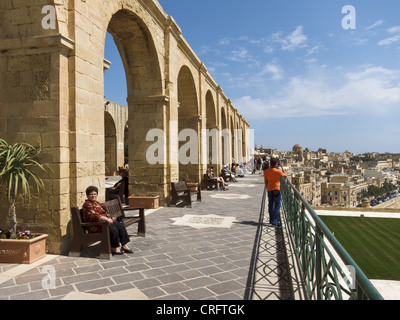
(336, 179)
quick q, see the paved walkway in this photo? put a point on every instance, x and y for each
(228, 253)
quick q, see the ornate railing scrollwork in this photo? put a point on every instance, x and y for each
(327, 270)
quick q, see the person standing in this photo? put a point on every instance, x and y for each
(272, 179)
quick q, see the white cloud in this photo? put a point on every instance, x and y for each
(274, 69)
(374, 90)
(297, 39)
(388, 41)
(376, 24)
(395, 29)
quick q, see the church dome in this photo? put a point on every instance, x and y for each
(297, 147)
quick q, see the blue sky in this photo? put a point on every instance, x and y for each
(294, 72)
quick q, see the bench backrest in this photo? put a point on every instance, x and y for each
(76, 220)
(114, 207)
(179, 186)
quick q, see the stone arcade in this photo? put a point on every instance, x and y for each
(52, 96)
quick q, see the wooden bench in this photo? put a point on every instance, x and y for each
(210, 183)
(225, 176)
(115, 209)
(81, 236)
(180, 191)
(120, 194)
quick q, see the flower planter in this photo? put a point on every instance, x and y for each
(193, 186)
(144, 202)
(23, 251)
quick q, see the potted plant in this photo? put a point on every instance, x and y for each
(144, 201)
(18, 163)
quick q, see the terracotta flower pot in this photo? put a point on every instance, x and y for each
(23, 251)
(144, 202)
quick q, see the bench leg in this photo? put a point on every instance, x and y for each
(76, 248)
(142, 224)
(189, 200)
(105, 247)
(74, 254)
(106, 256)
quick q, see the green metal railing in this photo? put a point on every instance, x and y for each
(327, 270)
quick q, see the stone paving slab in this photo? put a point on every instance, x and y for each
(176, 262)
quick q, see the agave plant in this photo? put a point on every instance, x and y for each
(17, 165)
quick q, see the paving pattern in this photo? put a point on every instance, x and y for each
(199, 260)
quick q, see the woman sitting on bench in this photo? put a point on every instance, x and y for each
(94, 211)
(210, 175)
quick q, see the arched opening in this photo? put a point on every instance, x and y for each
(188, 127)
(212, 127)
(224, 137)
(110, 143)
(233, 147)
(126, 144)
(139, 59)
(244, 144)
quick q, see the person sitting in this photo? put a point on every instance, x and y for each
(238, 171)
(115, 188)
(227, 172)
(221, 182)
(94, 211)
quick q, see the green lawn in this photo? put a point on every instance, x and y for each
(373, 243)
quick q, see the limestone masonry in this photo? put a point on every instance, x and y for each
(52, 96)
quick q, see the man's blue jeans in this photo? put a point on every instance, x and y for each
(274, 207)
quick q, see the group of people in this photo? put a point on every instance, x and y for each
(220, 180)
(259, 164)
(94, 211)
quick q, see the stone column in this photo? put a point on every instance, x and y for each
(148, 175)
(34, 105)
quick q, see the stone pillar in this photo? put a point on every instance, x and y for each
(34, 104)
(148, 115)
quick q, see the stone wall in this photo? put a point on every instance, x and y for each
(52, 96)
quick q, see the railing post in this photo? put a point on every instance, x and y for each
(318, 260)
(303, 238)
(309, 236)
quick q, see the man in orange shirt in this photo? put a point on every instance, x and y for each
(272, 177)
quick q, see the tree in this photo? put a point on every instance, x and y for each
(18, 163)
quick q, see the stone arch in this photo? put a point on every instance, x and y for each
(188, 120)
(52, 96)
(138, 53)
(110, 143)
(225, 134)
(244, 153)
(212, 127)
(233, 142)
(126, 142)
(140, 58)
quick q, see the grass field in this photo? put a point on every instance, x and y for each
(373, 243)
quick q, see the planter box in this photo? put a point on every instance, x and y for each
(144, 202)
(23, 251)
(193, 186)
